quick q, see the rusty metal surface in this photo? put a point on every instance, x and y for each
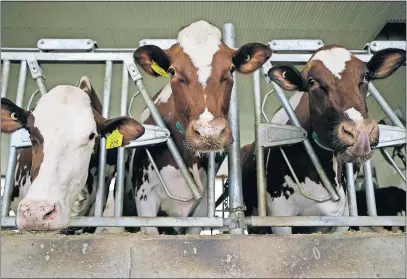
(356, 255)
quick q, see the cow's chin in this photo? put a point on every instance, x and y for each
(348, 157)
(206, 145)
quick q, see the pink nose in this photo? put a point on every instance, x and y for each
(36, 214)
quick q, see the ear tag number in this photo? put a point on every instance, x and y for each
(114, 140)
(156, 68)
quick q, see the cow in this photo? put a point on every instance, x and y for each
(194, 106)
(55, 178)
(330, 102)
(390, 201)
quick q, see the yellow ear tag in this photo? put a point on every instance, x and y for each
(114, 140)
(156, 68)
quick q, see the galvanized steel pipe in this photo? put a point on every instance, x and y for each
(211, 184)
(119, 191)
(353, 207)
(12, 157)
(369, 189)
(100, 194)
(5, 75)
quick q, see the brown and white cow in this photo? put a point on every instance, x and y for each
(56, 177)
(194, 106)
(331, 105)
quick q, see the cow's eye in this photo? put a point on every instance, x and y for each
(14, 115)
(92, 136)
(311, 82)
(366, 78)
(171, 71)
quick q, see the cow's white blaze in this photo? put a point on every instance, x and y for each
(281, 117)
(334, 59)
(200, 40)
(206, 116)
(354, 115)
(65, 120)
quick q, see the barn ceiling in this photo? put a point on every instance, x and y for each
(124, 24)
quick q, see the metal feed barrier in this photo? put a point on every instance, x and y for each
(267, 134)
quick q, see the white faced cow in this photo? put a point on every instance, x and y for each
(331, 104)
(56, 177)
(194, 106)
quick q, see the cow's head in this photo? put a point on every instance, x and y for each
(63, 130)
(337, 84)
(200, 67)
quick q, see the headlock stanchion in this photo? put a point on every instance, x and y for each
(266, 135)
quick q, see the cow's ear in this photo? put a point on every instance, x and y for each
(286, 76)
(385, 62)
(129, 128)
(250, 57)
(85, 85)
(153, 60)
(12, 116)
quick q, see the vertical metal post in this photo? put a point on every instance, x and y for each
(5, 75)
(211, 184)
(261, 178)
(234, 164)
(100, 196)
(313, 156)
(119, 191)
(353, 207)
(370, 196)
(385, 106)
(12, 157)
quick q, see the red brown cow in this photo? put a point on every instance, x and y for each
(194, 106)
(331, 106)
(56, 177)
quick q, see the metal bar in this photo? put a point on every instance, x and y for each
(120, 55)
(41, 85)
(5, 75)
(167, 191)
(261, 178)
(313, 156)
(393, 163)
(100, 195)
(353, 207)
(370, 196)
(119, 188)
(385, 106)
(211, 184)
(170, 142)
(234, 164)
(12, 157)
(321, 221)
(136, 222)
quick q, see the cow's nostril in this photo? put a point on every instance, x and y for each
(50, 212)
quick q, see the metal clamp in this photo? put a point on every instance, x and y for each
(153, 135)
(20, 139)
(390, 135)
(376, 46)
(133, 70)
(273, 134)
(66, 44)
(35, 69)
(295, 45)
(161, 43)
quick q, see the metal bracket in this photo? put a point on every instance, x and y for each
(133, 70)
(161, 43)
(295, 45)
(66, 44)
(266, 68)
(390, 135)
(375, 46)
(35, 69)
(153, 135)
(20, 139)
(273, 134)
